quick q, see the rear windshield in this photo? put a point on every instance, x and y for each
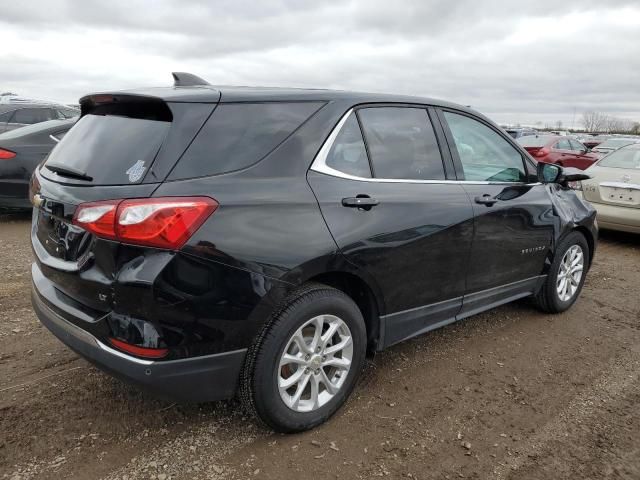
(624, 158)
(533, 141)
(110, 149)
(240, 134)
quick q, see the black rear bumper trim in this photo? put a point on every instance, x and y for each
(196, 379)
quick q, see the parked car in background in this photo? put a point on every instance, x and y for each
(614, 189)
(21, 151)
(16, 115)
(592, 141)
(565, 151)
(520, 132)
(202, 240)
(613, 143)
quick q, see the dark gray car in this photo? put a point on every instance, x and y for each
(16, 115)
(20, 152)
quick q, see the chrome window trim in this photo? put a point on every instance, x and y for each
(320, 165)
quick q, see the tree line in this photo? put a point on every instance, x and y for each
(598, 122)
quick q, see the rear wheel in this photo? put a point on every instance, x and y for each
(307, 360)
(566, 275)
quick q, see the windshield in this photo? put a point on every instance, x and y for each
(624, 158)
(616, 143)
(534, 141)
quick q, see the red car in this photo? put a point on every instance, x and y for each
(564, 151)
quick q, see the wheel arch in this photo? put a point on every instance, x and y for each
(364, 296)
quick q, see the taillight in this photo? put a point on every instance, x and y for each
(166, 222)
(98, 217)
(6, 154)
(543, 152)
(139, 351)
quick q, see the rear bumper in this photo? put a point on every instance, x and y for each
(621, 218)
(204, 378)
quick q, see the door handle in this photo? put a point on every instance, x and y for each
(364, 202)
(486, 199)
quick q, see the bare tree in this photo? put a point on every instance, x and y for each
(593, 121)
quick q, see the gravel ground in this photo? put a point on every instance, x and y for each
(509, 394)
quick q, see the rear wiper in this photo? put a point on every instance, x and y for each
(67, 171)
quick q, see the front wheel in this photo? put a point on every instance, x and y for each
(306, 361)
(566, 275)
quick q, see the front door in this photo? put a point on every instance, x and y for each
(384, 192)
(514, 217)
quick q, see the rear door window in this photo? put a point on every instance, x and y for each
(485, 155)
(576, 146)
(402, 143)
(562, 145)
(239, 135)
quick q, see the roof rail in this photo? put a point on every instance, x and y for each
(184, 79)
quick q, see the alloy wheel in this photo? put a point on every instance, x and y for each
(315, 363)
(570, 273)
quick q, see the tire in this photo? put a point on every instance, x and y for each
(314, 307)
(549, 299)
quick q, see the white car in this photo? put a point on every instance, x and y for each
(614, 189)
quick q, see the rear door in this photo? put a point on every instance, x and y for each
(514, 218)
(386, 193)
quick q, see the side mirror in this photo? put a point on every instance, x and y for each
(548, 172)
(551, 173)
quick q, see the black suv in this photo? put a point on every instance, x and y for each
(205, 241)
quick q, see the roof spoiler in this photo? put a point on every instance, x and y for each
(184, 79)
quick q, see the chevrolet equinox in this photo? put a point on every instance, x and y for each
(207, 242)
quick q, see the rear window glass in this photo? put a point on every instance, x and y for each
(239, 135)
(624, 158)
(533, 141)
(111, 149)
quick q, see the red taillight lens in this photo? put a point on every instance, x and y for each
(98, 218)
(543, 152)
(139, 351)
(156, 222)
(6, 154)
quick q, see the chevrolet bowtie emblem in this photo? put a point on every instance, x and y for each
(37, 200)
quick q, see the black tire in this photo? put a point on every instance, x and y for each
(548, 300)
(258, 390)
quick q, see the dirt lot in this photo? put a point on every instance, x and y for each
(510, 394)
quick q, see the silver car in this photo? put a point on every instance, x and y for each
(614, 189)
(16, 115)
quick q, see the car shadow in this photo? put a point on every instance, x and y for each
(624, 238)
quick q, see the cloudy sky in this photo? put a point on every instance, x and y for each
(515, 61)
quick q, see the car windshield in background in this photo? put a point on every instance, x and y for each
(624, 158)
(533, 141)
(616, 143)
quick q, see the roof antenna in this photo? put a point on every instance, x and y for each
(184, 79)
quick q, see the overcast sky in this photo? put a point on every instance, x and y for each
(513, 61)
